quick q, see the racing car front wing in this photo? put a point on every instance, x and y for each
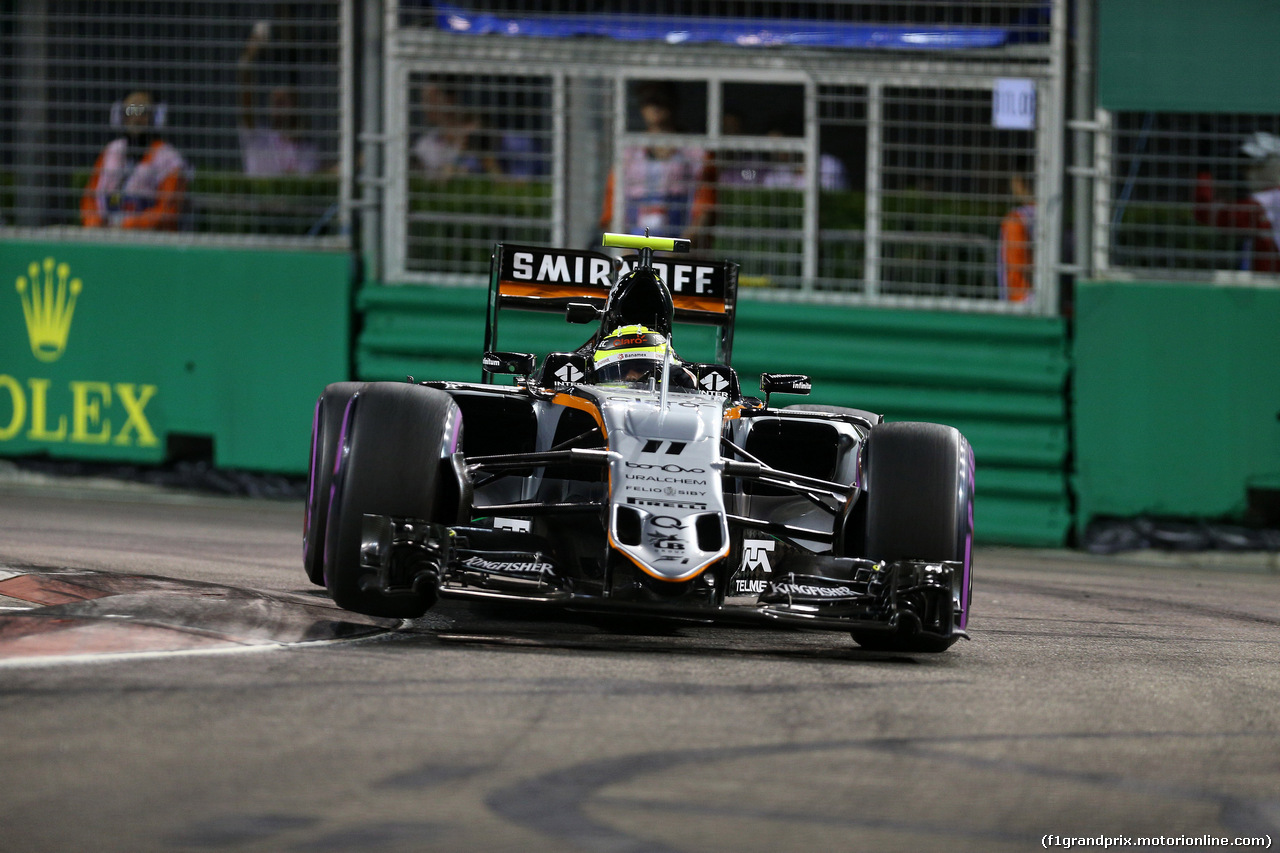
(412, 557)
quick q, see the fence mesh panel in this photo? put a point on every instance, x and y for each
(479, 167)
(482, 152)
(949, 179)
(850, 183)
(246, 94)
(865, 189)
(1192, 192)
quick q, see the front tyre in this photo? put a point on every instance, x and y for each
(919, 480)
(393, 460)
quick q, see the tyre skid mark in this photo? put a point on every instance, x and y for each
(1118, 600)
(559, 804)
(85, 615)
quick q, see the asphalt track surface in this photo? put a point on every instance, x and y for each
(169, 681)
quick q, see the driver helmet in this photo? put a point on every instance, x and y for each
(630, 354)
(639, 298)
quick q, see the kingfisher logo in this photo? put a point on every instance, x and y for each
(75, 412)
(48, 304)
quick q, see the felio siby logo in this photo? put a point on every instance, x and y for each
(48, 293)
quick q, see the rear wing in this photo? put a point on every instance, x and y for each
(535, 278)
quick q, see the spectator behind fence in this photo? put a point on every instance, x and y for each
(455, 141)
(1257, 214)
(668, 190)
(734, 168)
(1017, 236)
(278, 147)
(139, 180)
(787, 171)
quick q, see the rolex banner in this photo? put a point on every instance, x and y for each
(122, 353)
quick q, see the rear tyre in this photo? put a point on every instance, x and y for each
(325, 429)
(393, 460)
(919, 507)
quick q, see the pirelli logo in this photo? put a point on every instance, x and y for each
(657, 502)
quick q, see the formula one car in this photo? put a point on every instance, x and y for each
(618, 477)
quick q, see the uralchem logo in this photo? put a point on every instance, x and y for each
(48, 303)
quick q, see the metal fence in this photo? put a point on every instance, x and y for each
(244, 96)
(860, 175)
(476, 168)
(1187, 195)
(851, 152)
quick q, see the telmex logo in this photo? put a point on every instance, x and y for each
(48, 294)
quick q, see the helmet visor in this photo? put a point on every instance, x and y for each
(628, 368)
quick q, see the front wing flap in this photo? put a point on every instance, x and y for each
(409, 556)
(833, 592)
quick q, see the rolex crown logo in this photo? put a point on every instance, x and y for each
(48, 302)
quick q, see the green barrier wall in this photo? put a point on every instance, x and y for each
(107, 352)
(1188, 55)
(1000, 380)
(1177, 390)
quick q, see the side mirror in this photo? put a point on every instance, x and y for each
(582, 313)
(519, 363)
(784, 383)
